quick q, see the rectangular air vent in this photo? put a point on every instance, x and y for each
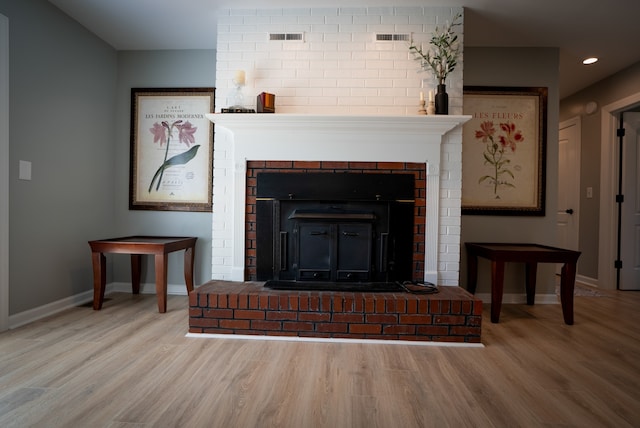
(286, 36)
(392, 37)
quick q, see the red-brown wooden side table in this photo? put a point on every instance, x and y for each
(158, 246)
(531, 255)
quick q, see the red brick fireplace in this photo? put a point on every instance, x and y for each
(428, 147)
(417, 169)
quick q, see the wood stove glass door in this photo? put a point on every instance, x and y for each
(354, 251)
(315, 250)
(334, 251)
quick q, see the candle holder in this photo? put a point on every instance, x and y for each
(237, 96)
(431, 108)
(422, 110)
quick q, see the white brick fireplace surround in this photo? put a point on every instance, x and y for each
(340, 96)
(434, 140)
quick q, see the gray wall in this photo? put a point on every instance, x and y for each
(517, 67)
(62, 104)
(158, 69)
(70, 117)
(607, 91)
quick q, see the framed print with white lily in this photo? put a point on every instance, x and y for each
(171, 163)
(504, 151)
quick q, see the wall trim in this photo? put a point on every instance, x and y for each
(332, 340)
(35, 314)
(608, 189)
(586, 280)
(147, 288)
(521, 298)
(4, 173)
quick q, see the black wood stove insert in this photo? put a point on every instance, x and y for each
(334, 231)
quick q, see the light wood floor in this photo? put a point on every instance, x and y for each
(128, 366)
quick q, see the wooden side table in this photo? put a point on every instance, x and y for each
(531, 255)
(158, 246)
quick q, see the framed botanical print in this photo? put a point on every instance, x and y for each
(504, 151)
(171, 164)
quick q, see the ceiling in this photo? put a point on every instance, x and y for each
(608, 29)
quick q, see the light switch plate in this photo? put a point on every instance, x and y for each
(24, 170)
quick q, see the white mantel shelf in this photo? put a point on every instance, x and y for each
(435, 124)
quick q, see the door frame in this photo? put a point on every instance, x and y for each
(629, 276)
(609, 150)
(4, 173)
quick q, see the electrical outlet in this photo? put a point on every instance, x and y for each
(589, 192)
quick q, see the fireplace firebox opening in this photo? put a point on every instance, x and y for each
(334, 231)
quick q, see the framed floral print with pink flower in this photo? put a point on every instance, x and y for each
(171, 163)
(504, 151)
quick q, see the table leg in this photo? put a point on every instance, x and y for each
(567, 285)
(161, 281)
(99, 262)
(135, 273)
(531, 271)
(189, 257)
(497, 288)
(472, 273)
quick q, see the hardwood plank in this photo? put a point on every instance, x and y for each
(129, 366)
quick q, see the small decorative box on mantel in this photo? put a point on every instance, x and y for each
(266, 103)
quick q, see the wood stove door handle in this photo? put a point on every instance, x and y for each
(384, 251)
(350, 233)
(315, 233)
(283, 251)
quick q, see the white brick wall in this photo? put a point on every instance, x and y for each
(339, 67)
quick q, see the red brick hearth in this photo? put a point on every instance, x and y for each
(247, 308)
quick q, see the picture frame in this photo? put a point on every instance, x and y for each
(171, 152)
(504, 147)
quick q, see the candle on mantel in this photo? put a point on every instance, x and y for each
(430, 95)
(239, 78)
(421, 96)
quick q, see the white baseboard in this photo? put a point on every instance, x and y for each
(31, 315)
(148, 288)
(333, 340)
(593, 282)
(521, 298)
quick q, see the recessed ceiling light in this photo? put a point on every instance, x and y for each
(591, 60)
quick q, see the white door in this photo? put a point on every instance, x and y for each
(568, 185)
(630, 221)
